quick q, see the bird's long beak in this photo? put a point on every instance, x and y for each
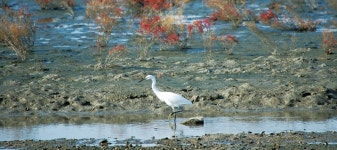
(141, 80)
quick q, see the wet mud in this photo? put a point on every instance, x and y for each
(283, 140)
(60, 77)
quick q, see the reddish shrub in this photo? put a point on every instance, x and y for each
(151, 26)
(148, 6)
(200, 25)
(156, 4)
(172, 38)
(105, 13)
(305, 25)
(17, 30)
(214, 16)
(162, 29)
(117, 49)
(189, 30)
(228, 12)
(266, 16)
(329, 42)
(224, 10)
(227, 39)
(230, 39)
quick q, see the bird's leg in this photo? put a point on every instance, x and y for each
(170, 115)
(174, 113)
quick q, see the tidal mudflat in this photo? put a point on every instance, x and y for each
(277, 71)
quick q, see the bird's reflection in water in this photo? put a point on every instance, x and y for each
(173, 125)
(177, 132)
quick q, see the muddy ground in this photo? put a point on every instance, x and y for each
(58, 83)
(283, 140)
(271, 82)
(301, 83)
(60, 76)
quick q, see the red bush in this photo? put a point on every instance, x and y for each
(228, 12)
(117, 49)
(151, 5)
(329, 42)
(224, 10)
(200, 25)
(154, 27)
(172, 38)
(266, 16)
(156, 4)
(227, 39)
(230, 39)
(151, 26)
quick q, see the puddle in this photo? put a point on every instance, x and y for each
(66, 48)
(145, 127)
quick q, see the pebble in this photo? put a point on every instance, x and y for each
(194, 121)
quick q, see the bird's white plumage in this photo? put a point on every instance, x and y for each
(172, 99)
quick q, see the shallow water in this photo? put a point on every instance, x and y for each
(65, 46)
(145, 127)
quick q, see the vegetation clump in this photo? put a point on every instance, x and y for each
(17, 30)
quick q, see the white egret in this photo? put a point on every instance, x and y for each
(172, 99)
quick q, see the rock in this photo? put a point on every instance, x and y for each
(104, 143)
(194, 121)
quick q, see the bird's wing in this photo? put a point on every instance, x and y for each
(174, 100)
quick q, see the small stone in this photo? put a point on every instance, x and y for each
(194, 121)
(104, 143)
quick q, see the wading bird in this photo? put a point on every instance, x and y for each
(172, 99)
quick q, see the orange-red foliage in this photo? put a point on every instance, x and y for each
(266, 16)
(17, 30)
(172, 38)
(228, 39)
(224, 10)
(329, 42)
(155, 5)
(154, 27)
(117, 49)
(151, 26)
(200, 25)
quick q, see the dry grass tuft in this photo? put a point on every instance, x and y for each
(270, 44)
(105, 13)
(17, 31)
(114, 53)
(142, 8)
(225, 11)
(329, 42)
(332, 3)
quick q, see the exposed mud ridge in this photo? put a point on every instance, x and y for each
(266, 83)
(283, 140)
(60, 74)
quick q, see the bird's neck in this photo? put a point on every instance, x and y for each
(154, 88)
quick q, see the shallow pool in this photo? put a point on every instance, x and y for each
(148, 126)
